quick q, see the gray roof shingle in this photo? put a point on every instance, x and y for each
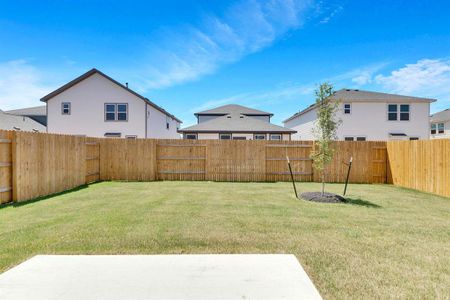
(13, 122)
(234, 108)
(236, 122)
(29, 111)
(442, 116)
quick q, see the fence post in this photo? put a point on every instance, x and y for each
(15, 158)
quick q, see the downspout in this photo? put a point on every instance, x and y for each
(46, 116)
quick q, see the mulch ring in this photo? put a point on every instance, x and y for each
(326, 198)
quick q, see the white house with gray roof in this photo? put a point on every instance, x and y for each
(371, 116)
(94, 104)
(235, 122)
(440, 125)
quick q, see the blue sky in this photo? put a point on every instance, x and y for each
(192, 55)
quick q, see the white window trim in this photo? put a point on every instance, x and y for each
(116, 112)
(191, 134)
(349, 137)
(131, 137)
(276, 134)
(437, 128)
(398, 112)
(69, 108)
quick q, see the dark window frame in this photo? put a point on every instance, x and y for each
(349, 109)
(259, 134)
(225, 134)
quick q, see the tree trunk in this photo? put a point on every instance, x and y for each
(323, 183)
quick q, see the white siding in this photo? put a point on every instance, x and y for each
(368, 120)
(156, 125)
(248, 136)
(208, 136)
(304, 125)
(87, 116)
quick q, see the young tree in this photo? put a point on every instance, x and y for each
(325, 128)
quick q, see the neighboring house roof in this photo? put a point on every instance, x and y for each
(29, 111)
(442, 116)
(13, 122)
(364, 96)
(95, 71)
(236, 122)
(234, 108)
(37, 113)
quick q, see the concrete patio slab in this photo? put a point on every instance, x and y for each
(158, 277)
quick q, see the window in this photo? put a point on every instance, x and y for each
(167, 125)
(347, 108)
(404, 112)
(395, 114)
(349, 138)
(413, 138)
(433, 128)
(275, 137)
(259, 136)
(440, 127)
(191, 136)
(225, 136)
(113, 134)
(116, 112)
(392, 112)
(361, 138)
(65, 108)
(239, 138)
(131, 137)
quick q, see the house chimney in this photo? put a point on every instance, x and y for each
(126, 84)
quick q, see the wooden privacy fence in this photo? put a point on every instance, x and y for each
(36, 164)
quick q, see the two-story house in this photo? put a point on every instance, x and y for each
(371, 116)
(440, 125)
(235, 122)
(96, 105)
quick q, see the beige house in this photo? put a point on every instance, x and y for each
(96, 105)
(371, 116)
(440, 125)
(235, 122)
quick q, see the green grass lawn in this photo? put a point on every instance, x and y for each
(389, 242)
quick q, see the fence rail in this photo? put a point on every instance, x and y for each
(37, 164)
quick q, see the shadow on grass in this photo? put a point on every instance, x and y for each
(18, 204)
(361, 202)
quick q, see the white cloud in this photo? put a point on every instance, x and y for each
(426, 77)
(246, 27)
(21, 85)
(333, 12)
